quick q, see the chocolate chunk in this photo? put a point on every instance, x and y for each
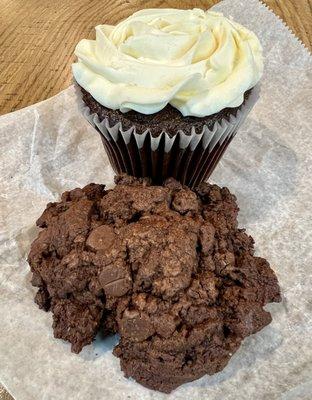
(101, 238)
(115, 280)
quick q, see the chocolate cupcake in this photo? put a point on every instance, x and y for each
(168, 89)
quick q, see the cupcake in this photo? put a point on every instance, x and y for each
(168, 89)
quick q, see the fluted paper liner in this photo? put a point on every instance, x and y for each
(190, 158)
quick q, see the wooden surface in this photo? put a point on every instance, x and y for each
(37, 39)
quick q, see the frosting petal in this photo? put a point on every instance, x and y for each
(199, 62)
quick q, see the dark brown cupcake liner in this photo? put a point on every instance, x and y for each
(189, 158)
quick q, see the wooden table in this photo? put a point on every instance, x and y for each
(37, 39)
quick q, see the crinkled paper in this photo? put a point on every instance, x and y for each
(48, 148)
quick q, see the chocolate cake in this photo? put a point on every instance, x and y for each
(169, 119)
(164, 266)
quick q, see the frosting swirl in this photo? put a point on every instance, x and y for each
(198, 61)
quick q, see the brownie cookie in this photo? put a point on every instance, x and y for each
(165, 267)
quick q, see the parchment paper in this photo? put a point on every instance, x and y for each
(48, 148)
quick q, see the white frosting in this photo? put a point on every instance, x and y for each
(199, 62)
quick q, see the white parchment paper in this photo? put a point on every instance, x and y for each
(48, 148)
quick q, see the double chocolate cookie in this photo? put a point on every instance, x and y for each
(165, 267)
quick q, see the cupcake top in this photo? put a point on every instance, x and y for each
(198, 61)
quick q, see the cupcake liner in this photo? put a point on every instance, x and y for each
(189, 158)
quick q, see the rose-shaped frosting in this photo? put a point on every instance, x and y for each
(198, 61)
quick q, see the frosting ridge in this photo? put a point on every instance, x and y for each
(198, 61)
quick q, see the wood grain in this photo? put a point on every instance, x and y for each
(37, 38)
